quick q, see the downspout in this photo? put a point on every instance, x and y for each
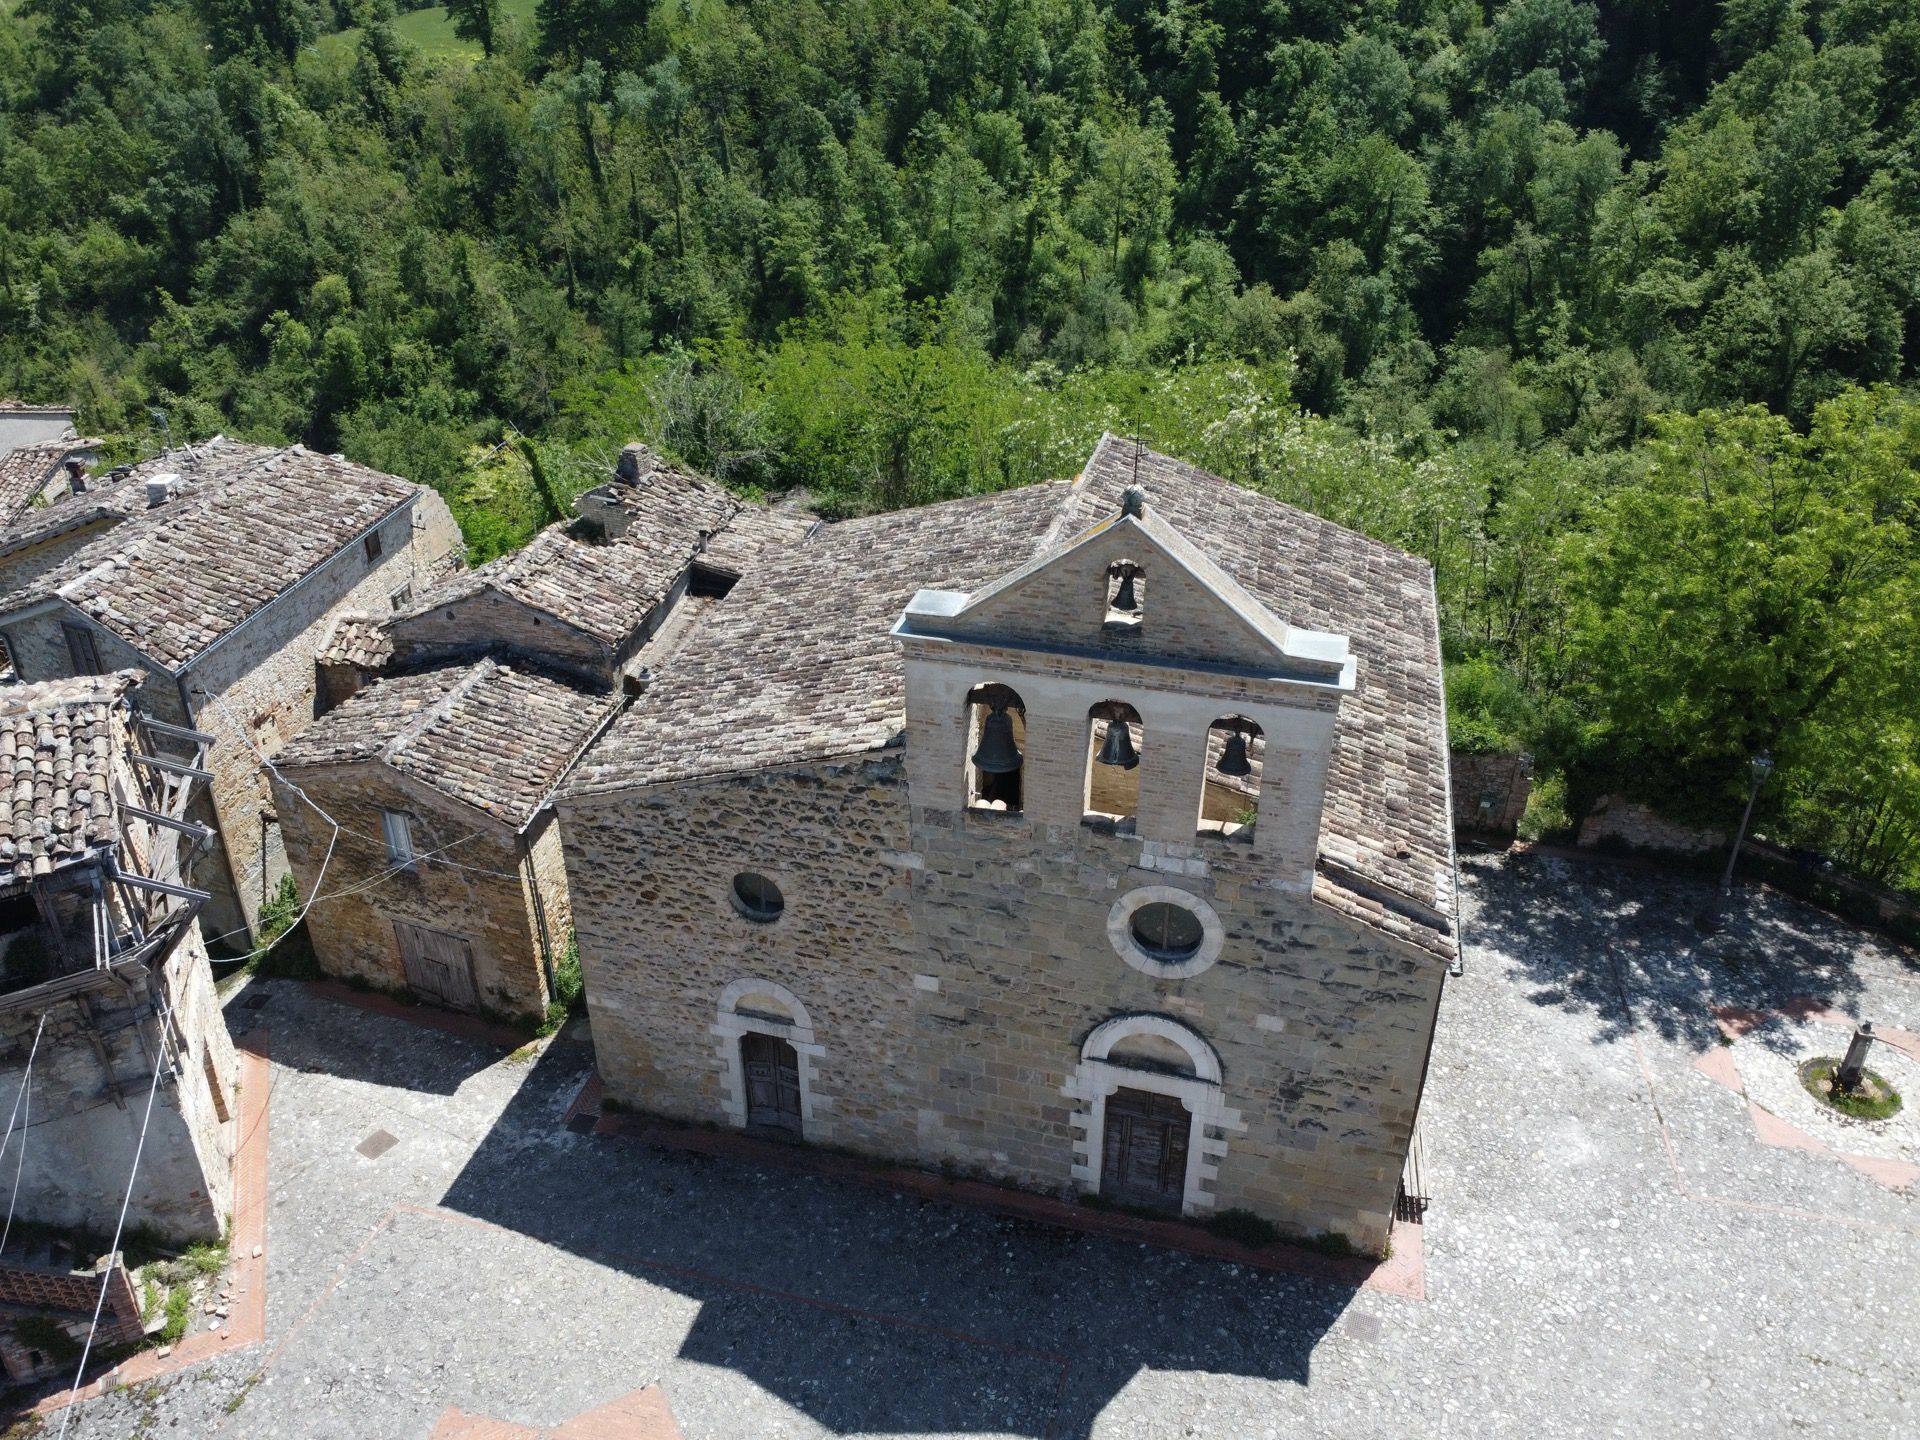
(539, 913)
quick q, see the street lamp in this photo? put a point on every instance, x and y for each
(1759, 767)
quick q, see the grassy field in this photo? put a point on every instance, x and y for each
(429, 31)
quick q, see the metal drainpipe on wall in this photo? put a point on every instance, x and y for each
(539, 913)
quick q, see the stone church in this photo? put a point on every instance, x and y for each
(1090, 838)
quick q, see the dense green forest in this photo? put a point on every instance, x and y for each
(1611, 310)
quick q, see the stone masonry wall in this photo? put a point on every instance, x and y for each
(951, 964)
(474, 890)
(262, 685)
(488, 621)
(1505, 780)
(81, 1143)
(1628, 822)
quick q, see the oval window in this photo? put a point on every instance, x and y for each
(757, 897)
(1167, 932)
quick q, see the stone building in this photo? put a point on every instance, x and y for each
(1068, 838)
(457, 719)
(23, 424)
(219, 570)
(103, 975)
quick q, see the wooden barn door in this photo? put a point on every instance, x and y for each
(773, 1084)
(439, 967)
(1145, 1157)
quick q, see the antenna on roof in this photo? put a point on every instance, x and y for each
(1138, 446)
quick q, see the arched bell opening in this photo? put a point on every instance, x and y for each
(996, 748)
(1236, 761)
(1126, 595)
(1114, 740)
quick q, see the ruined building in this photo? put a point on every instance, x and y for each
(457, 719)
(104, 982)
(218, 570)
(1091, 837)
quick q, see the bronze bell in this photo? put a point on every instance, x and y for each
(1117, 748)
(997, 755)
(1125, 601)
(1233, 759)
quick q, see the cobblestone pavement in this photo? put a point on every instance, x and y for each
(1610, 1250)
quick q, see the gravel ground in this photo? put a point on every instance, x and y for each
(1610, 1250)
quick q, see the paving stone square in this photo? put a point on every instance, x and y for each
(1613, 1247)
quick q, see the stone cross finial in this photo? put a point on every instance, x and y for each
(1134, 502)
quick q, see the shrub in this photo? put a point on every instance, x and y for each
(1487, 711)
(1243, 1227)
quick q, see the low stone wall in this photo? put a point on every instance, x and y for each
(1618, 821)
(1490, 791)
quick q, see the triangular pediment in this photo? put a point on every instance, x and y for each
(1190, 610)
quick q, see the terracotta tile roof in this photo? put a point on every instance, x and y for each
(25, 472)
(754, 534)
(497, 737)
(56, 756)
(606, 589)
(798, 662)
(356, 639)
(9, 403)
(248, 523)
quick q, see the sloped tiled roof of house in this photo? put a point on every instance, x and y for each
(497, 737)
(799, 661)
(248, 523)
(606, 589)
(25, 472)
(799, 665)
(358, 639)
(56, 761)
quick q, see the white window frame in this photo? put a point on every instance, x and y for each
(396, 828)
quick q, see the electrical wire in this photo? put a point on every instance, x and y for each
(139, 1149)
(25, 1094)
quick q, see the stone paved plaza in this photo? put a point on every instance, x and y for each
(1612, 1248)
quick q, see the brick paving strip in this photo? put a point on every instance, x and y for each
(1403, 1273)
(247, 1266)
(637, 1415)
(1719, 1066)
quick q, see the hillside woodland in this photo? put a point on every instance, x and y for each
(1608, 309)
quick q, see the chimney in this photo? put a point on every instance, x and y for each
(160, 488)
(636, 463)
(77, 477)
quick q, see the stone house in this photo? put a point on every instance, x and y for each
(103, 975)
(1091, 838)
(455, 720)
(23, 424)
(219, 570)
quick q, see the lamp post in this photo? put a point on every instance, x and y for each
(1759, 767)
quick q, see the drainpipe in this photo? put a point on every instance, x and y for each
(539, 913)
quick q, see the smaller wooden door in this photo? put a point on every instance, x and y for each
(773, 1085)
(438, 966)
(1144, 1161)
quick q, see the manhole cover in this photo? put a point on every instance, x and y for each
(583, 1124)
(376, 1144)
(254, 1002)
(1362, 1326)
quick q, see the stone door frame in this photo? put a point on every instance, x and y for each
(1097, 1077)
(733, 1021)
